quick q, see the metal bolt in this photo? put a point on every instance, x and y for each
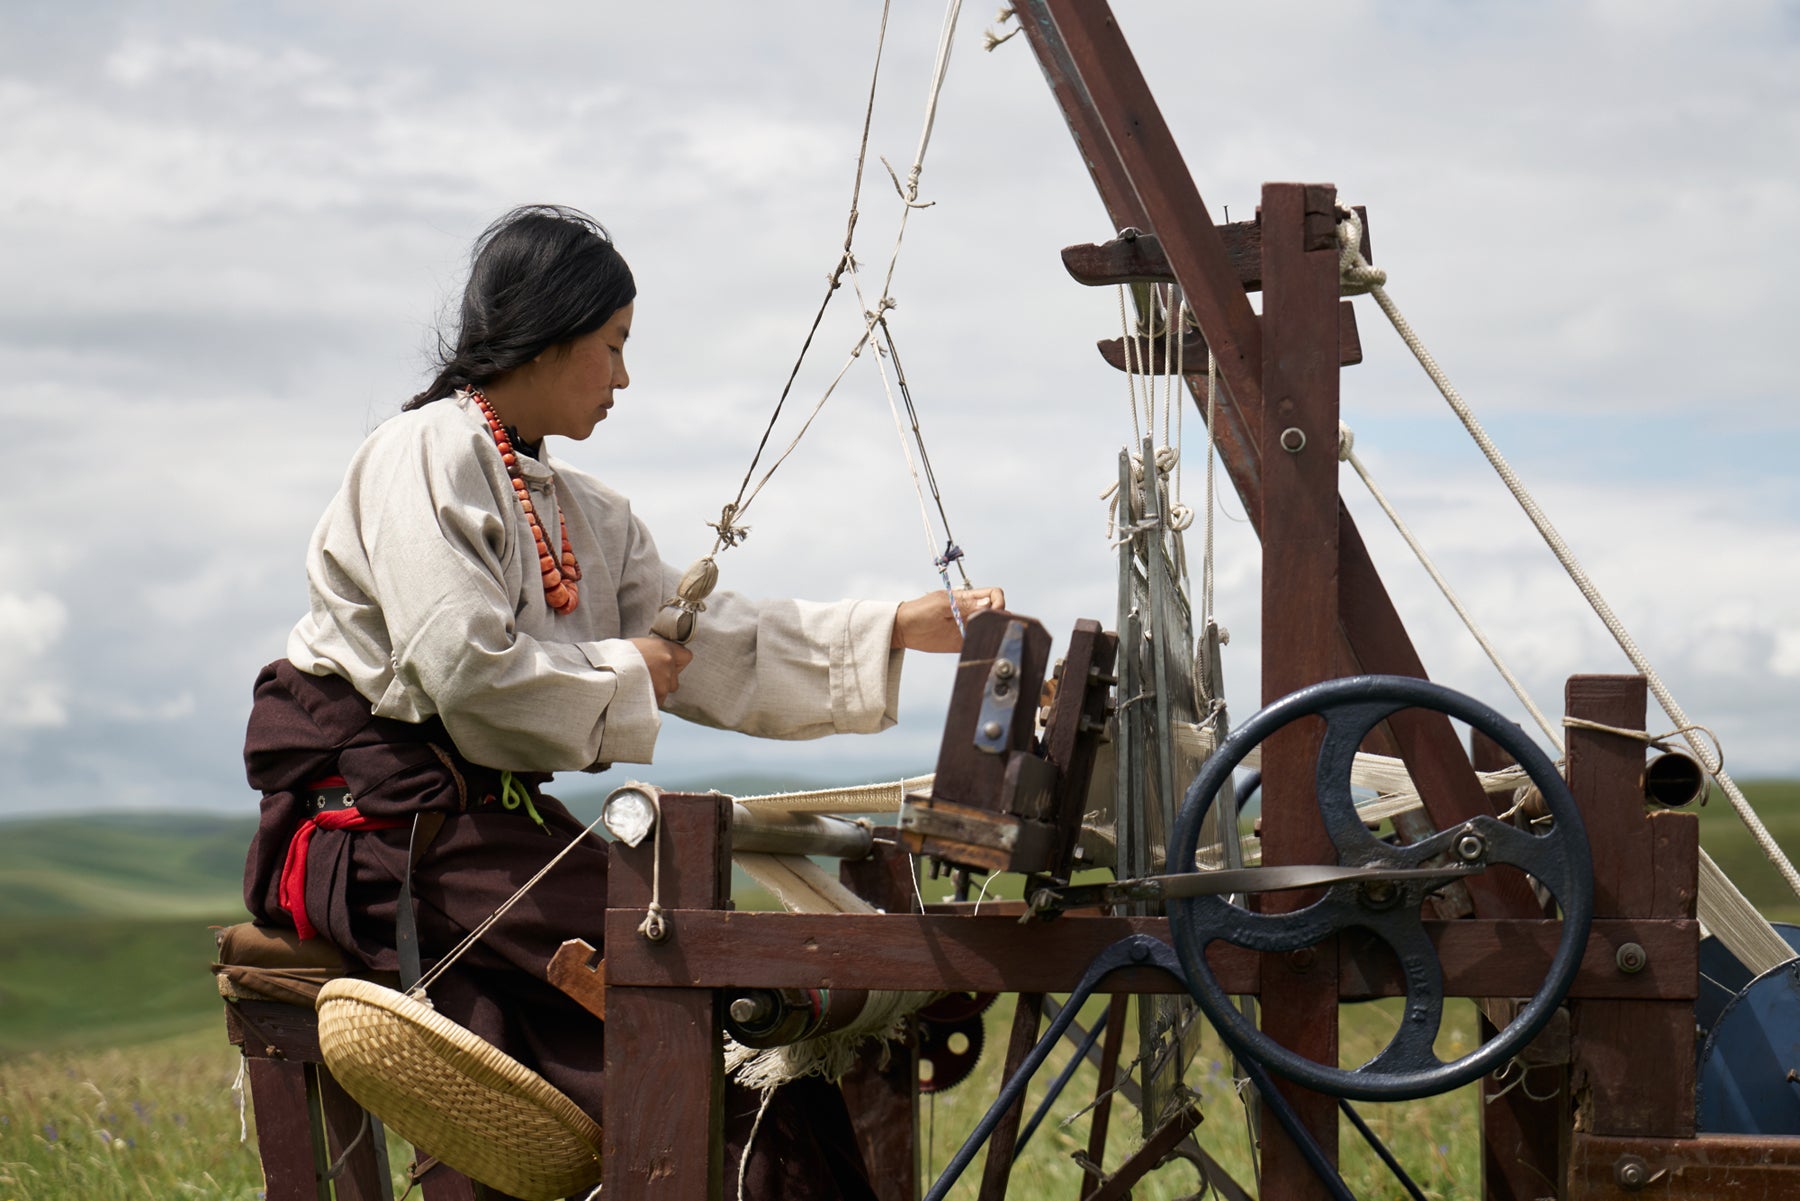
(1004, 669)
(743, 1010)
(1302, 959)
(1139, 952)
(1632, 1172)
(993, 729)
(1631, 958)
(1293, 439)
(1470, 847)
(1378, 894)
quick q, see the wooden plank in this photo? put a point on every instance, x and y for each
(1721, 1166)
(884, 1100)
(278, 1094)
(1480, 957)
(665, 1142)
(1138, 258)
(1299, 617)
(1619, 1089)
(1112, 1042)
(1156, 358)
(1076, 728)
(1524, 1139)
(578, 970)
(997, 1168)
(1117, 1186)
(271, 1030)
(363, 1175)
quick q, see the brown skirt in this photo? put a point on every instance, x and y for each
(305, 727)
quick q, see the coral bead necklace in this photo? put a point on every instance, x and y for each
(560, 591)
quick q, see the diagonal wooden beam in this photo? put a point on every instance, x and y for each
(1144, 183)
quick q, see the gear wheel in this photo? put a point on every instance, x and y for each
(948, 1051)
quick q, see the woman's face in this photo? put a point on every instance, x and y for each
(570, 387)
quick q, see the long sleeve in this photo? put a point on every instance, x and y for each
(425, 594)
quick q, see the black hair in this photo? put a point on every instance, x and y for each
(540, 276)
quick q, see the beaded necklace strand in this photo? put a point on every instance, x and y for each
(560, 591)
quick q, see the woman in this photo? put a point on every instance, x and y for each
(479, 619)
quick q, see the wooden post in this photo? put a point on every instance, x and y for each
(884, 1102)
(664, 1071)
(1300, 607)
(1633, 1061)
(1004, 1140)
(1524, 1141)
(278, 1090)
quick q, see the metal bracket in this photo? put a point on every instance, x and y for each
(993, 728)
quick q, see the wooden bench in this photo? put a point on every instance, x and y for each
(316, 1142)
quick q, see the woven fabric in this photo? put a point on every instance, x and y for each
(454, 1096)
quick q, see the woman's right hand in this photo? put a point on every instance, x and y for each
(665, 660)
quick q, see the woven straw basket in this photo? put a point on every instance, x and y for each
(455, 1096)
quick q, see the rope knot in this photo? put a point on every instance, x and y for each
(1355, 274)
(730, 533)
(1346, 442)
(952, 553)
(653, 927)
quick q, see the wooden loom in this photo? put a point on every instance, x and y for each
(1620, 1117)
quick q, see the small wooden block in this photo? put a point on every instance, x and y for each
(578, 970)
(1155, 358)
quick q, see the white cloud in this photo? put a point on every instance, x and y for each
(227, 244)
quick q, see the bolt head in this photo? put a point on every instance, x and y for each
(1631, 958)
(992, 729)
(1470, 847)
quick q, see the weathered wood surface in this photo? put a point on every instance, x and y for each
(1156, 1148)
(996, 1169)
(1524, 1139)
(278, 1093)
(578, 970)
(363, 1175)
(1076, 727)
(271, 1030)
(884, 1101)
(1481, 957)
(1156, 358)
(664, 1143)
(1644, 866)
(1144, 183)
(1299, 644)
(1111, 1043)
(1139, 259)
(1726, 1167)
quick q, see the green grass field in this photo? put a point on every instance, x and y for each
(115, 1079)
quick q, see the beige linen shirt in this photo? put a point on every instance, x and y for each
(426, 595)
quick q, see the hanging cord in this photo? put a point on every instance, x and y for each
(1347, 454)
(1359, 276)
(676, 619)
(417, 991)
(729, 532)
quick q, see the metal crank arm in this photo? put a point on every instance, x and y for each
(1229, 882)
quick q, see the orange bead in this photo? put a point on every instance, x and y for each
(546, 564)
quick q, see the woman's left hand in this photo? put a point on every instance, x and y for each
(927, 624)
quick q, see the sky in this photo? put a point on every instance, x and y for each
(229, 232)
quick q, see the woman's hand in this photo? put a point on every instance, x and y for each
(665, 660)
(927, 624)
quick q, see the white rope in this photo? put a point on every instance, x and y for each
(1358, 275)
(1347, 453)
(475, 935)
